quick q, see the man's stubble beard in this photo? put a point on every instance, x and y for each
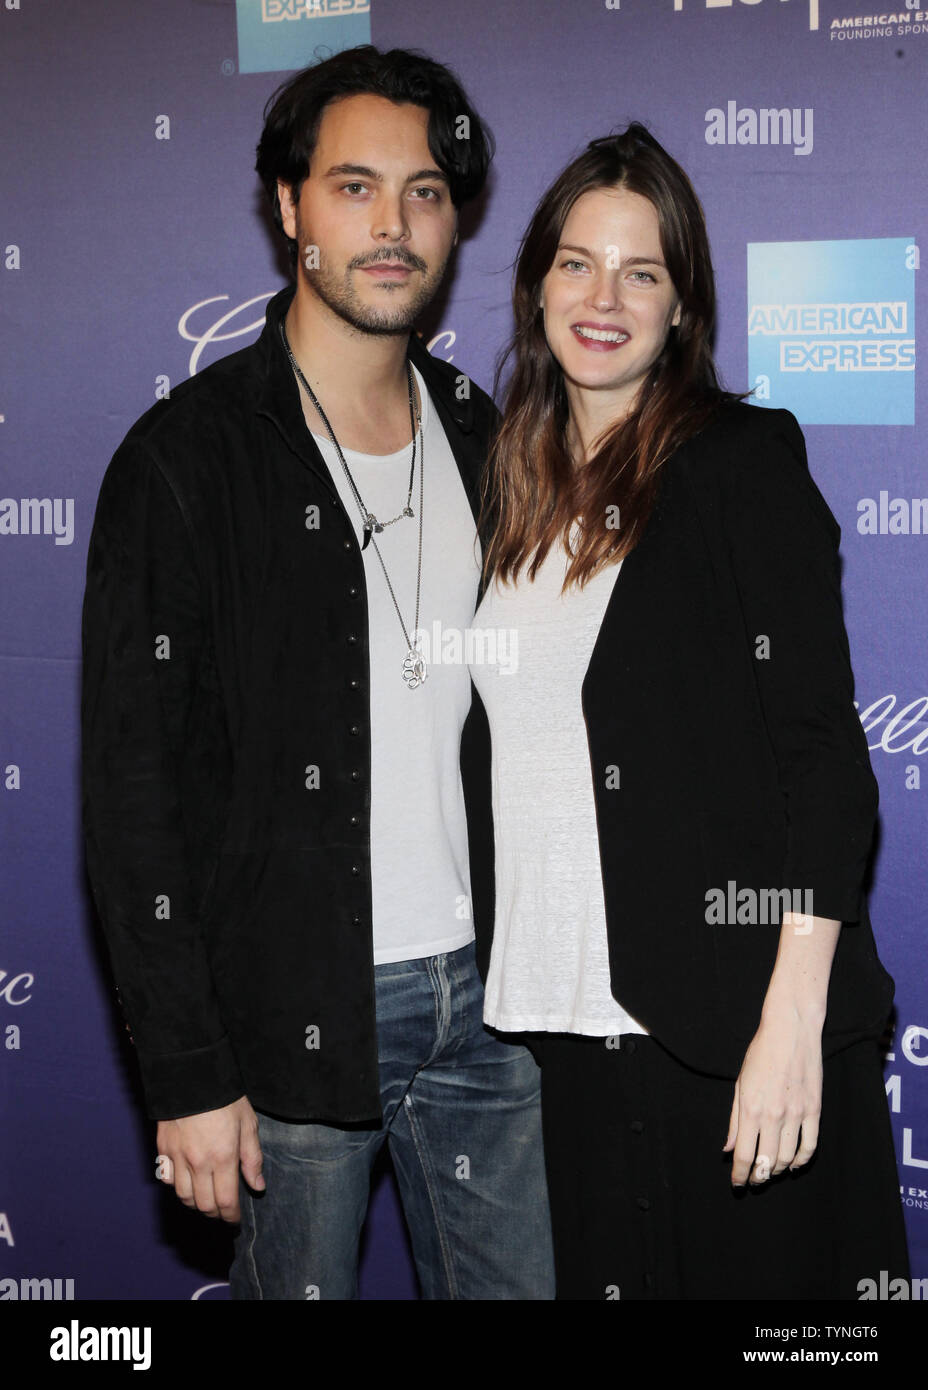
(339, 294)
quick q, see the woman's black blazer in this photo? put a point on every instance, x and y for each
(725, 748)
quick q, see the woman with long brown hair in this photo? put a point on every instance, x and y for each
(683, 799)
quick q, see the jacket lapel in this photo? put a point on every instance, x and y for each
(627, 615)
(279, 396)
(457, 418)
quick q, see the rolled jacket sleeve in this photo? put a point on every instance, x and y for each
(144, 629)
(784, 551)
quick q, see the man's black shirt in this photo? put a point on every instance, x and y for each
(225, 650)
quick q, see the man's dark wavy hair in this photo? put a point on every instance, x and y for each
(293, 112)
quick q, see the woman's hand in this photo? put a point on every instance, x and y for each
(778, 1093)
(778, 1097)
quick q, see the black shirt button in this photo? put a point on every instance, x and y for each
(352, 592)
(642, 1204)
(356, 920)
(354, 820)
(636, 1126)
(355, 869)
(354, 684)
(352, 638)
(334, 501)
(355, 776)
(346, 545)
(355, 729)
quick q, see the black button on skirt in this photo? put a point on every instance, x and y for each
(642, 1205)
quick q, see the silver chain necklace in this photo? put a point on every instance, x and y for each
(415, 669)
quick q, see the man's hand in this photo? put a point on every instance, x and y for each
(200, 1155)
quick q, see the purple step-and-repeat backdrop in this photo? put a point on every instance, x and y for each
(135, 249)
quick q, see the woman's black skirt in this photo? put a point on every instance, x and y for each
(641, 1199)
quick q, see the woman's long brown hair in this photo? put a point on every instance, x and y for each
(531, 492)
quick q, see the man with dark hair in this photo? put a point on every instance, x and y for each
(286, 792)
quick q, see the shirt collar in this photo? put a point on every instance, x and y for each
(279, 396)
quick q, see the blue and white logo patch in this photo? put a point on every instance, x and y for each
(283, 35)
(831, 329)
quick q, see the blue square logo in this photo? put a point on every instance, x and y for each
(283, 35)
(831, 329)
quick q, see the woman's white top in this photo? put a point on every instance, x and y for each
(549, 967)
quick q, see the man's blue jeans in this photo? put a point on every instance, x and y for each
(462, 1116)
